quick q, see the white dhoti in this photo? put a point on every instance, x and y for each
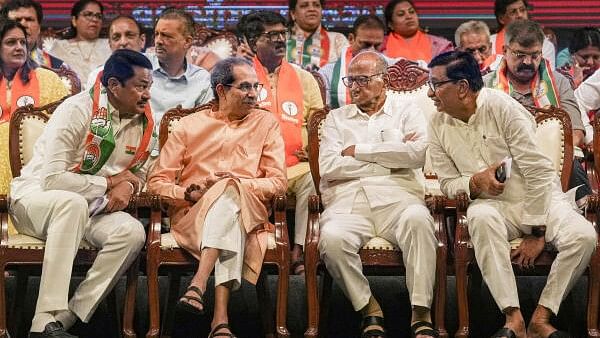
(223, 231)
(492, 224)
(302, 187)
(407, 224)
(61, 219)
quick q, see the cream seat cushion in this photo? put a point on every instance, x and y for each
(20, 241)
(378, 243)
(550, 137)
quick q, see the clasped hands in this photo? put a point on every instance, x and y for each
(350, 150)
(194, 192)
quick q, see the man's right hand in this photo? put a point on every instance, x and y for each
(244, 51)
(122, 177)
(485, 182)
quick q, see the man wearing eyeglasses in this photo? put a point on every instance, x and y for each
(526, 76)
(475, 129)
(508, 11)
(370, 159)
(292, 94)
(474, 37)
(221, 166)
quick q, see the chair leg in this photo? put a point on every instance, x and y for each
(593, 295)
(169, 308)
(264, 305)
(440, 293)
(283, 280)
(130, 293)
(460, 267)
(153, 299)
(3, 330)
(324, 298)
(312, 297)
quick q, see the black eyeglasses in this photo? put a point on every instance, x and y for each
(275, 35)
(481, 50)
(92, 15)
(246, 87)
(435, 85)
(360, 80)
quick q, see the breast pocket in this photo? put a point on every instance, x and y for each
(494, 149)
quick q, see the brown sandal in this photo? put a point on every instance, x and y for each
(189, 308)
(214, 333)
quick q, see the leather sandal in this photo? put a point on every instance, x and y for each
(184, 305)
(214, 333)
(298, 267)
(423, 328)
(373, 333)
(504, 333)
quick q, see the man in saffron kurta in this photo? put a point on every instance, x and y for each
(291, 94)
(220, 167)
(93, 151)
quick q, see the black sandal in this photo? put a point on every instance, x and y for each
(189, 308)
(429, 331)
(373, 333)
(559, 334)
(504, 332)
(214, 333)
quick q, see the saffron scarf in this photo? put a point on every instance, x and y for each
(339, 93)
(417, 48)
(499, 42)
(100, 141)
(306, 51)
(543, 85)
(286, 103)
(21, 94)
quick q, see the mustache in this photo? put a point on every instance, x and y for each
(524, 67)
(280, 44)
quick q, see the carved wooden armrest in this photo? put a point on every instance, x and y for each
(438, 207)
(462, 238)
(313, 230)
(279, 208)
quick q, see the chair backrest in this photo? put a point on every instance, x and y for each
(321, 82)
(171, 118)
(26, 125)
(555, 139)
(68, 77)
(314, 126)
(222, 43)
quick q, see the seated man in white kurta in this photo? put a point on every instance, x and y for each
(370, 160)
(96, 145)
(475, 129)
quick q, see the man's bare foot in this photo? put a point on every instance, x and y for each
(539, 325)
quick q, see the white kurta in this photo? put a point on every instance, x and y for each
(379, 192)
(532, 195)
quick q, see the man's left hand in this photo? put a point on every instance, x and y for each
(528, 251)
(119, 196)
(349, 151)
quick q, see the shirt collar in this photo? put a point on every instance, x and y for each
(384, 110)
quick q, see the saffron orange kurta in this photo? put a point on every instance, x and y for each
(202, 144)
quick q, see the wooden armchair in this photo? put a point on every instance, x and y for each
(555, 140)
(163, 251)
(68, 77)
(19, 250)
(222, 43)
(377, 255)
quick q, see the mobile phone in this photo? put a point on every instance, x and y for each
(500, 173)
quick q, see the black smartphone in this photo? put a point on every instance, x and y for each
(501, 173)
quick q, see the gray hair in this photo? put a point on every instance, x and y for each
(472, 26)
(381, 64)
(222, 72)
(524, 32)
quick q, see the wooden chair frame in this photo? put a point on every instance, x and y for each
(157, 257)
(69, 74)
(464, 253)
